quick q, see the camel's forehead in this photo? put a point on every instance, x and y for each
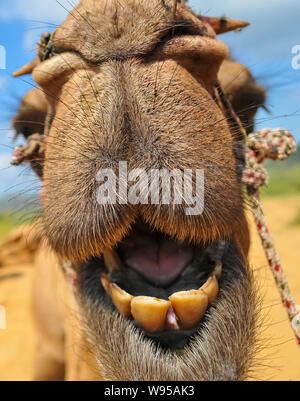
(100, 29)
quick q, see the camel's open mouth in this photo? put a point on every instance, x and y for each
(164, 287)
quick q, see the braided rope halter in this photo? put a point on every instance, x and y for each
(268, 143)
(273, 144)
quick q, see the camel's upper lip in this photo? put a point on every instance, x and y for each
(168, 309)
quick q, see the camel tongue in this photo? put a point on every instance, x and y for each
(157, 258)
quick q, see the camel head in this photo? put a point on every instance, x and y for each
(165, 290)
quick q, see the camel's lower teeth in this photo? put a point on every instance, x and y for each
(211, 289)
(150, 312)
(121, 299)
(184, 310)
(189, 307)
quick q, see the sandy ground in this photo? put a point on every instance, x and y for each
(17, 341)
(280, 356)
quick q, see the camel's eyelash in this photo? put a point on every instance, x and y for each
(183, 28)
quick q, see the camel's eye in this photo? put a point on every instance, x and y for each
(183, 28)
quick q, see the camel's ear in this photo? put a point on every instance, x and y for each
(223, 25)
(27, 69)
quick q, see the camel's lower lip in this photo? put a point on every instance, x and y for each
(175, 340)
(168, 311)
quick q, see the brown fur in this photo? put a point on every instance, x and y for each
(244, 93)
(140, 101)
(119, 93)
(31, 115)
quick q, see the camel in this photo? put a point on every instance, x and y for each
(154, 294)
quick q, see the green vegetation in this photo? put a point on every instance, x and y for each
(284, 176)
(7, 223)
(16, 209)
(283, 181)
(296, 221)
(10, 220)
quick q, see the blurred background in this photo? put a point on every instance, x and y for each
(266, 48)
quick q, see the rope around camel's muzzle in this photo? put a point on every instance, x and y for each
(273, 144)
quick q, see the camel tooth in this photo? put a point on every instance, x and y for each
(150, 312)
(211, 288)
(121, 300)
(105, 281)
(189, 307)
(217, 270)
(111, 260)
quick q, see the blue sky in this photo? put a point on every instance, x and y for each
(265, 47)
